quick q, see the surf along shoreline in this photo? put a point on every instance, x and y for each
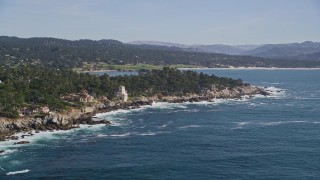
(16, 130)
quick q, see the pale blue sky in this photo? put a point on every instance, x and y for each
(183, 21)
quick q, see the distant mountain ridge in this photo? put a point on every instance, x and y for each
(298, 51)
(214, 48)
(307, 50)
(159, 43)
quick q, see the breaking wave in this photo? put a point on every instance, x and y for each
(149, 133)
(275, 92)
(189, 126)
(241, 125)
(8, 151)
(120, 135)
(18, 172)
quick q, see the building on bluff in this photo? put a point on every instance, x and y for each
(122, 94)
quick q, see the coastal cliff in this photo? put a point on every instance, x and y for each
(74, 117)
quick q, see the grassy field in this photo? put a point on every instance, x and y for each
(127, 67)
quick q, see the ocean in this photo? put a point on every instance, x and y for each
(276, 137)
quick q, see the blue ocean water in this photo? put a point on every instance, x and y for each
(277, 137)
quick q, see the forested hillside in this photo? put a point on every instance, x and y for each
(57, 53)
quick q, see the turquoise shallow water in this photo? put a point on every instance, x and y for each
(262, 138)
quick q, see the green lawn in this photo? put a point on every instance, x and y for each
(128, 67)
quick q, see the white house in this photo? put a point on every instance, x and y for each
(122, 94)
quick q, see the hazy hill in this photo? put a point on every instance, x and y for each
(215, 48)
(159, 43)
(295, 51)
(299, 51)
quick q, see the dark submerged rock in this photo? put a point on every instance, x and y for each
(14, 138)
(22, 142)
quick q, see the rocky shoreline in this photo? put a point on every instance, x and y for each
(74, 117)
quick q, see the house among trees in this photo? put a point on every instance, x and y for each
(82, 97)
(85, 97)
(33, 110)
(45, 109)
(71, 97)
(122, 94)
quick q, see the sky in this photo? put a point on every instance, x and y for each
(233, 22)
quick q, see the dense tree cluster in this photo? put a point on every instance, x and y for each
(30, 86)
(59, 53)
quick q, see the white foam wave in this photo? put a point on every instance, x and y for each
(273, 123)
(259, 96)
(112, 114)
(166, 105)
(186, 110)
(18, 172)
(281, 122)
(101, 135)
(10, 147)
(113, 123)
(42, 135)
(201, 102)
(95, 127)
(241, 125)
(2, 169)
(151, 133)
(114, 135)
(253, 104)
(213, 102)
(120, 135)
(8, 151)
(219, 101)
(190, 126)
(275, 92)
(163, 126)
(148, 134)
